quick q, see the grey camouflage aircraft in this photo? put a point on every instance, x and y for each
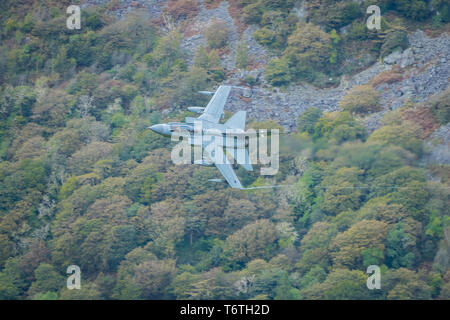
(208, 121)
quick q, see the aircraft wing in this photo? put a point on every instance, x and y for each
(228, 173)
(214, 110)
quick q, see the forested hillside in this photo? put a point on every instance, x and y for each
(365, 115)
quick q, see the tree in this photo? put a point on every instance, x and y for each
(166, 227)
(238, 213)
(406, 135)
(142, 275)
(285, 291)
(194, 81)
(88, 291)
(308, 47)
(348, 246)
(342, 284)
(314, 246)
(340, 194)
(13, 281)
(83, 160)
(47, 279)
(339, 127)
(122, 240)
(414, 9)
(398, 248)
(201, 58)
(255, 240)
(443, 9)
(361, 100)
(307, 121)
(277, 72)
(404, 284)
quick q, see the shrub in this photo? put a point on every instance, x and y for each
(264, 36)
(443, 8)
(308, 119)
(388, 77)
(413, 9)
(251, 81)
(405, 135)
(337, 15)
(183, 9)
(361, 100)
(277, 72)
(395, 39)
(94, 21)
(242, 56)
(217, 34)
(309, 48)
(358, 31)
(206, 60)
(253, 13)
(440, 106)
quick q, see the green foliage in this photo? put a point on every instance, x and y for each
(308, 48)
(404, 284)
(253, 12)
(395, 39)
(415, 9)
(405, 135)
(278, 72)
(340, 284)
(358, 31)
(337, 15)
(242, 59)
(443, 9)
(339, 127)
(361, 100)
(335, 40)
(397, 253)
(47, 280)
(256, 240)
(217, 34)
(83, 180)
(439, 105)
(307, 121)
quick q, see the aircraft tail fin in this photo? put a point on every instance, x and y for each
(237, 121)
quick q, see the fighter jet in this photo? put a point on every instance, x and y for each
(210, 119)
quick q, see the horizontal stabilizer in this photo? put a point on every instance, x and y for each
(237, 121)
(190, 119)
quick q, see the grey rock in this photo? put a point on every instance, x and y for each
(393, 58)
(407, 58)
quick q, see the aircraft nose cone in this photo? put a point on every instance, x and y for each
(158, 128)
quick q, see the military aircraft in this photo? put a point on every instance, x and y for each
(209, 119)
